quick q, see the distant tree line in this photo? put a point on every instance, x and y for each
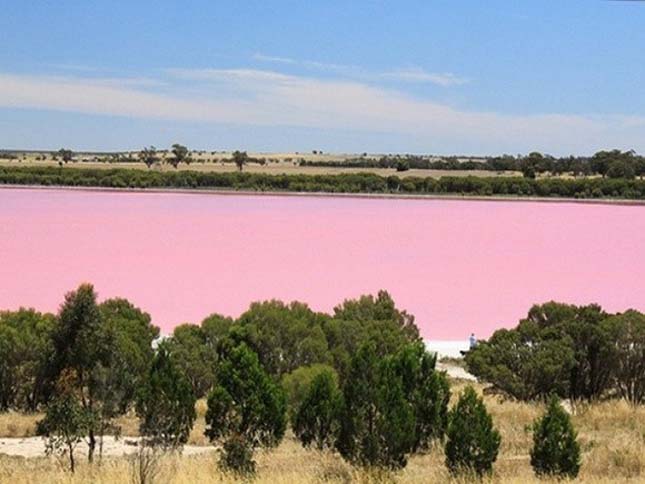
(343, 183)
(613, 164)
(358, 382)
(575, 352)
(148, 155)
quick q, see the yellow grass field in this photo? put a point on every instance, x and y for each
(611, 434)
(278, 164)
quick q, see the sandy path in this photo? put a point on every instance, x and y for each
(455, 371)
(35, 447)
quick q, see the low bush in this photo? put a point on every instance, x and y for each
(343, 183)
(555, 449)
(472, 441)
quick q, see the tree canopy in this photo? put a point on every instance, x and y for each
(26, 349)
(578, 352)
(166, 404)
(246, 409)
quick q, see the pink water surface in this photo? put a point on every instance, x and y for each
(458, 266)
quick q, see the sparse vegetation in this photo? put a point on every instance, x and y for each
(609, 433)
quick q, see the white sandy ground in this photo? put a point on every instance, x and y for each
(450, 349)
(453, 371)
(35, 447)
(447, 348)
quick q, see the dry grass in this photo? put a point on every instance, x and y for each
(612, 436)
(130, 425)
(14, 424)
(275, 168)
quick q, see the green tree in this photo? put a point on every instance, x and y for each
(614, 163)
(66, 421)
(103, 352)
(555, 449)
(368, 318)
(215, 328)
(528, 171)
(427, 392)
(190, 354)
(627, 333)
(166, 405)
(180, 154)
(600, 161)
(377, 423)
(316, 420)
(296, 384)
(285, 337)
(240, 158)
(402, 165)
(149, 156)
(25, 353)
(557, 348)
(194, 349)
(594, 353)
(472, 441)
(246, 410)
(82, 349)
(523, 364)
(131, 336)
(66, 155)
(639, 166)
(621, 169)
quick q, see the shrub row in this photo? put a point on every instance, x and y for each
(343, 183)
(382, 400)
(615, 164)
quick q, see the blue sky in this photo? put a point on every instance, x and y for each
(443, 76)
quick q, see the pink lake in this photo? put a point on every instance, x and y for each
(458, 266)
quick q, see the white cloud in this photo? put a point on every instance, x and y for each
(310, 64)
(267, 98)
(416, 74)
(410, 74)
(273, 58)
(225, 75)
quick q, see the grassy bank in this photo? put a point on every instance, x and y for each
(611, 434)
(578, 188)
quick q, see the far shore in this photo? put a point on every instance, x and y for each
(393, 196)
